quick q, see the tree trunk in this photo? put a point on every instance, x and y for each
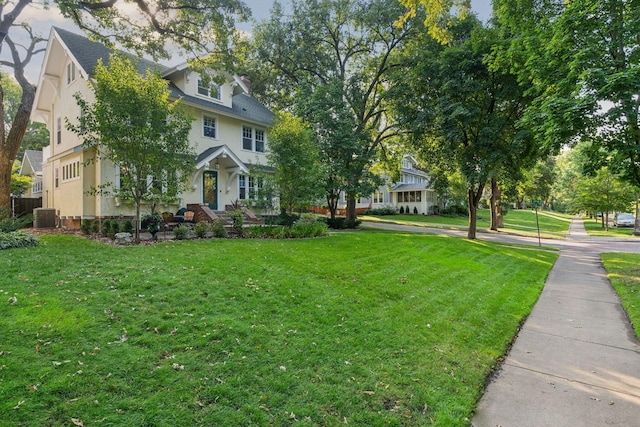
(636, 225)
(332, 203)
(473, 201)
(351, 209)
(10, 144)
(137, 219)
(496, 218)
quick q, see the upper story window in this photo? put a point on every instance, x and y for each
(253, 139)
(70, 171)
(71, 72)
(213, 91)
(59, 130)
(209, 127)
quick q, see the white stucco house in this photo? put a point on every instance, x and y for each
(412, 193)
(229, 135)
(32, 166)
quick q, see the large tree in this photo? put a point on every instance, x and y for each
(587, 53)
(133, 124)
(333, 57)
(463, 112)
(203, 29)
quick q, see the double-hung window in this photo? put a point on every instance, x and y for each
(59, 130)
(71, 72)
(209, 127)
(248, 187)
(213, 91)
(253, 139)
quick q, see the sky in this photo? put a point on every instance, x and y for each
(41, 20)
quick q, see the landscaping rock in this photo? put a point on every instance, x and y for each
(123, 238)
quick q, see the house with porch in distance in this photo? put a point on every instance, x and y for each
(412, 192)
(229, 135)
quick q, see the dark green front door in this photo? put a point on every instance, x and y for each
(210, 189)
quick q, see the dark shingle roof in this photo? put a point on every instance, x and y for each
(409, 187)
(35, 159)
(206, 153)
(87, 53)
(243, 106)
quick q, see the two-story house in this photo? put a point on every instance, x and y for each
(412, 193)
(229, 135)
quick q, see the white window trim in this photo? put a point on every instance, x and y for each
(254, 129)
(215, 121)
(208, 96)
(72, 72)
(58, 134)
(70, 171)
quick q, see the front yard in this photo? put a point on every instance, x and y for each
(360, 329)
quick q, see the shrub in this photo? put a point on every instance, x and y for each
(307, 218)
(106, 226)
(17, 239)
(128, 227)
(415, 210)
(95, 226)
(113, 229)
(340, 223)
(407, 210)
(401, 210)
(201, 229)
(217, 228)
(181, 232)
(9, 224)
(237, 216)
(385, 210)
(85, 226)
(282, 219)
(316, 229)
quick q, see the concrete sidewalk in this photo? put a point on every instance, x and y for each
(576, 361)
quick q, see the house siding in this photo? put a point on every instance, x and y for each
(55, 104)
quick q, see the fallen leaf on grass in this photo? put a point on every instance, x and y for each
(18, 405)
(77, 422)
(369, 393)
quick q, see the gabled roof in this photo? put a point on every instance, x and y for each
(31, 162)
(243, 106)
(223, 155)
(87, 53)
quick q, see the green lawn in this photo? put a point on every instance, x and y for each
(594, 228)
(521, 221)
(360, 329)
(625, 277)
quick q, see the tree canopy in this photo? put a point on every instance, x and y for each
(329, 61)
(463, 112)
(133, 124)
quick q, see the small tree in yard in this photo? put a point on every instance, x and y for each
(294, 156)
(133, 124)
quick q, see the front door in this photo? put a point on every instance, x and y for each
(210, 189)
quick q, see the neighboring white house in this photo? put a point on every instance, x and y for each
(412, 193)
(229, 135)
(32, 166)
